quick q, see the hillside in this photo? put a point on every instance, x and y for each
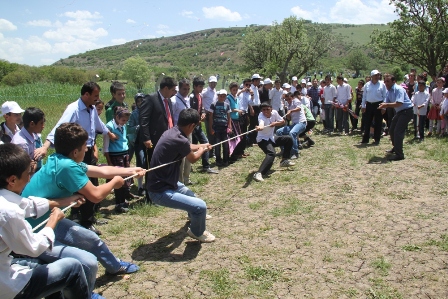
(208, 51)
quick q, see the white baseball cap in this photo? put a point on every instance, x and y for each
(267, 81)
(286, 85)
(309, 84)
(345, 80)
(222, 91)
(11, 107)
(256, 76)
(445, 90)
(294, 78)
(303, 81)
(212, 79)
(374, 72)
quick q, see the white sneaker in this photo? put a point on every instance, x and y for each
(205, 238)
(207, 217)
(258, 177)
(287, 163)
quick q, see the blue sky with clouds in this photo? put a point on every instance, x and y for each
(41, 32)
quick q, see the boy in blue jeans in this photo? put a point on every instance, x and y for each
(65, 174)
(163, 183)
(221, 126)
(23, 277)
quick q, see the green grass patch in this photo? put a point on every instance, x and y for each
(219, 281)
(263, 276)
(442, 243)
(293, 206)
(411, 247)
(381, 290)
(382, 266)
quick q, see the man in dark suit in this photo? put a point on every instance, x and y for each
(155, 117)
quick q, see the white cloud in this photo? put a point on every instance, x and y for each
(221, 13)
(39, 23)
(6, 25)
(186, 13)
(118, 41)
(161, 26)
(300, 13)
(82, 15)
(130, 21)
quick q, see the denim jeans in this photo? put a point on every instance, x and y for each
(184, 199)
(73, 240)
(329, 116)
(293, 130)
(64, 275)
(199, 136)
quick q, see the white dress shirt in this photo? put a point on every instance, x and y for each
(343, 94)
(275, 95)
(16, 235)
(209, 96)
(420, 98)
(179, 103)
(256, 100)
(329, 94)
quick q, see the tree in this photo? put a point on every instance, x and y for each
(419, 37)
(290, 48)
(136, 70)
(358, 61)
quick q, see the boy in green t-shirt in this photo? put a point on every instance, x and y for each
(65, 174)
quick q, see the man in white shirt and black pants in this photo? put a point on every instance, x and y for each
(374, 94)
(254, 103)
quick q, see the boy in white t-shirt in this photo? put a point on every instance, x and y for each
(268, 119)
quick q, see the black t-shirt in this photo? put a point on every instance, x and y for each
(173, 145)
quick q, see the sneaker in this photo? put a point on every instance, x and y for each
(258, 177)
(121, 208)
(126, 268)
(294, 157)
(205, 238)
(101, 221)
(94, 229)
(96, 296)
(287, 163)
(310, 142)
(211, 170)
(207, 217)
(141, 191)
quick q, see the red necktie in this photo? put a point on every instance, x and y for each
(168, 113)
(199, 102)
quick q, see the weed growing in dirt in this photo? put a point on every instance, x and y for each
(411, 247)
(382, 266)
(380, 290)
(219, 281)
(442, 244)
(293, 206)
(263, 276)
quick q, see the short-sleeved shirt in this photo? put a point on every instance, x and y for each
(59, 177)
(268, 132)
(398, 94)
(233, 102)
(220, 118)
(173, 145)
(297, 116)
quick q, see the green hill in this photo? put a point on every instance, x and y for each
(210, 51)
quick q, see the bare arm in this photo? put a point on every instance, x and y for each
(97, 193)
(108, 172)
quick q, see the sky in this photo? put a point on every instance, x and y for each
(41, 32)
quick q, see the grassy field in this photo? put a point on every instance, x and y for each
(343, 223)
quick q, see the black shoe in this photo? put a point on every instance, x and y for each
(391, 151)
(396, 158)
(94, 229)
(132, 196)
(376, 143)
(310, 142)
(364, 142)
(141, 191)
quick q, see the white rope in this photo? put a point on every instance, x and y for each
(45, 221)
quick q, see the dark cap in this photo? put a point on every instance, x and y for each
(139, 95)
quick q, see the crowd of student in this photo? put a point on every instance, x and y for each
(164, 132)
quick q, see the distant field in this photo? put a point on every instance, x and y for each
(358, 34)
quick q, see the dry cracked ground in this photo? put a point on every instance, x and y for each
(343, 223)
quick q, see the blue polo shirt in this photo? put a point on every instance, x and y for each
(397, 94)
(59, 177)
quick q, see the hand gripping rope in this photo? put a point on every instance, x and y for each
(147, 170)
